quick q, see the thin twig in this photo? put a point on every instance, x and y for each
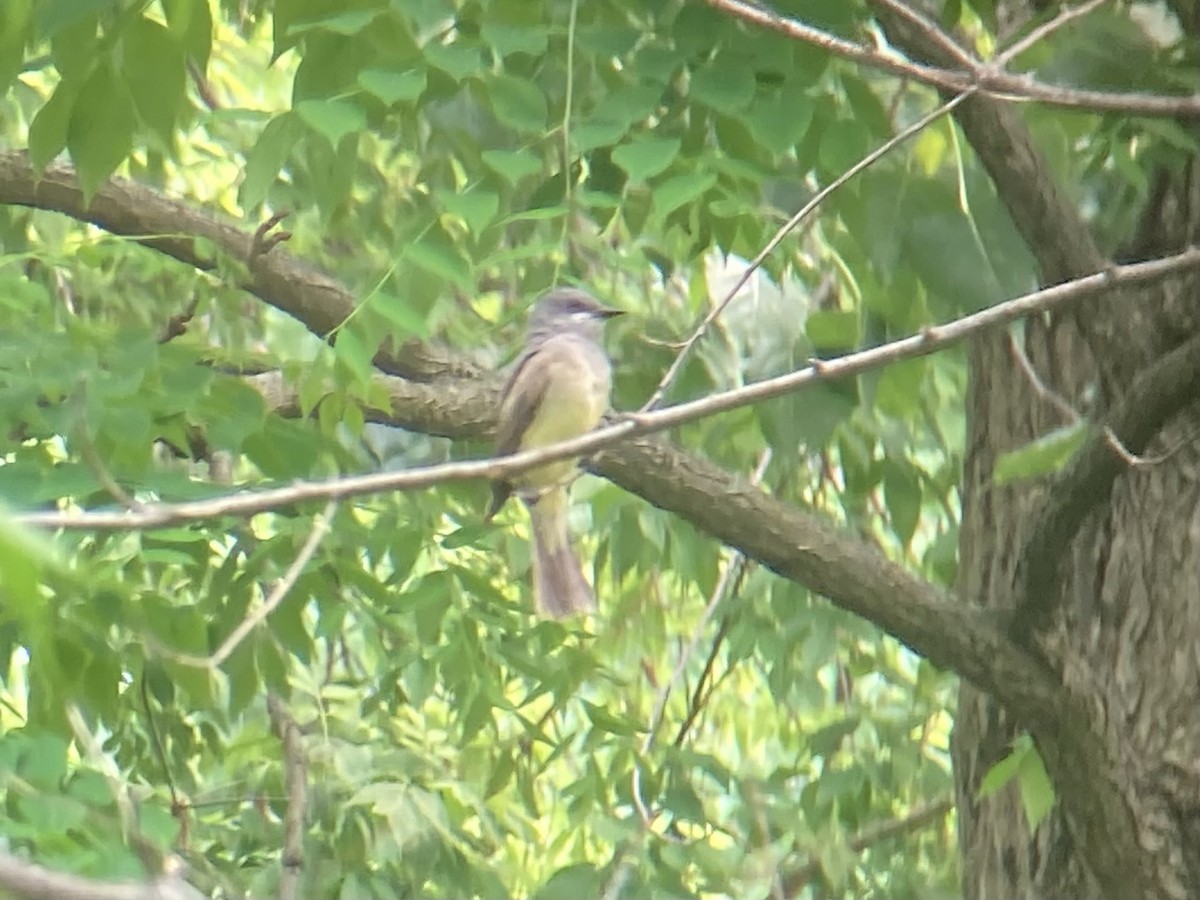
(719, 593)
(933, 32)
(1072, 415)
(295, 779)
(178, 807)
(1065, 15)
(319, 529)
(805, 211)
(1043, 390)
(703, 691)
(925, 342)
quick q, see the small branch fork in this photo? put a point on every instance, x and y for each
(982, 77)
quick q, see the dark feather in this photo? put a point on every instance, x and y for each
(516, 412)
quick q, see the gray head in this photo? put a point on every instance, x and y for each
(568, 310)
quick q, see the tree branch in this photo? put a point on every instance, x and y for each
(788, 227)
(295, 777)
(1155, 396)
(181, 231)
(34, 882)
(998, 84)
(929, 340)
(797, 545)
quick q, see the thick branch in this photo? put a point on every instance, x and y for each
(173, 227)
(810, 550)
(928, 341)
(852, 573)
(1157, 395)
(34, 882)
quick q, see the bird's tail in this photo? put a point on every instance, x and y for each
(559, 588)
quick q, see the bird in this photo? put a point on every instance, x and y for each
(559, 388)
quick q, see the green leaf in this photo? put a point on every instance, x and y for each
(724, 85)
(675, 192)
(1043, 456)
(902, 496)
(594, 133)
(48, 130)
(334, 118)
(458, 60)
(440, 258)
(507, 39)
(355, 353)
(898, 388)
(606, 721)
(476, 207)
(518, 103)
(16, 19)
(540, 214)
(572, 883)
(190, 23)
(1037, 791)
(843, 143)
(513, 165)
(828, 740)
(645, 157)
(632, 104)
(1006, 769)
(55, 15)
(348, 22)
(833, 329)
(153, 63)
(268, 156)
(230, 412)
(779, 123)
(24, 555)
(100, 135)
(399, 312)
(392, 87)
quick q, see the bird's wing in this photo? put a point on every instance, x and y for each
(519, 402)
(517, 409)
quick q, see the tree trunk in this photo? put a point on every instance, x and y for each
(1123, 633)
(1097, 571)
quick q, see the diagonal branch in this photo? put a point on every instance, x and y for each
(181, 231)
(807, 548)
(34, 882)
(928, 341)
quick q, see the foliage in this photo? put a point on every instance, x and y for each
(447, 162)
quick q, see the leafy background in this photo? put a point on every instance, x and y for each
(447, 162)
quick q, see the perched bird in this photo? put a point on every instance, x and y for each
(558, 389)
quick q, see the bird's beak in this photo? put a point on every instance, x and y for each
(609, 313)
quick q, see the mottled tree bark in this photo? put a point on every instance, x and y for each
(1118, 617)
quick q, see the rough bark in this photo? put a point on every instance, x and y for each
(1117, 612)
